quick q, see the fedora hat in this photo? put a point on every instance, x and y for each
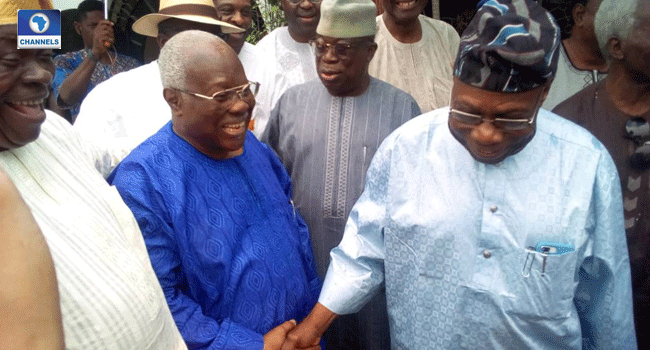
(201, 11)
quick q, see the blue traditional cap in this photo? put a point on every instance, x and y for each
(509, 46)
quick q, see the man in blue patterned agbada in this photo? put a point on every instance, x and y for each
(495, 224)
(232, 254)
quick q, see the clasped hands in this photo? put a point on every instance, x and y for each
(290, 336)
(303, 336)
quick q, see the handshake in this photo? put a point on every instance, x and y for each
(303, 336)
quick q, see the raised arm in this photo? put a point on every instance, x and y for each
(30, 316)
(74, 84)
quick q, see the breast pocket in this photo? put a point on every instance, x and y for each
(543, 287)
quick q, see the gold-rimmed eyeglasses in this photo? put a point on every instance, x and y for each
(246, 91)
(343, 51)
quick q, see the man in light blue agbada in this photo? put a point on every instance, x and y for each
(494, 223)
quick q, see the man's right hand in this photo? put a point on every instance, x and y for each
(303, 337)
(274, 339)
(102, 34)
(308, 333)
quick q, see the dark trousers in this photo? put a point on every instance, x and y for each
(642, 320)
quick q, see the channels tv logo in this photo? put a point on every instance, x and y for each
(39, 29)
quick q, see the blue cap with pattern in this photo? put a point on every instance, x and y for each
(509, 46)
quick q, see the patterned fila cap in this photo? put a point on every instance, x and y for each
(509, 46)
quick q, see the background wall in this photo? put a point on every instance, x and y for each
(69, 4)
(65, 4)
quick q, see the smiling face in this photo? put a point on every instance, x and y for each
(217, 129)
(239, 13)
(344, 73)
(24, 79)
(302, 19)
(404, 10)
(485, 142)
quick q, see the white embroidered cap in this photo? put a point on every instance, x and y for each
(347, 18)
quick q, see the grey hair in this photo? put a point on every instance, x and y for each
(176, 54)
(614, 19)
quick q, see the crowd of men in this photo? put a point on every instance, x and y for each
(354, 180)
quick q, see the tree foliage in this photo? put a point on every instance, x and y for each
(267, 16)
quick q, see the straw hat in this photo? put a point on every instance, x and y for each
(9, 9)
(201, 11)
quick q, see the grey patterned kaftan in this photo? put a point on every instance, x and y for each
(326, 143)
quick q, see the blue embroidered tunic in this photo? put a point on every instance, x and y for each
(232, 255)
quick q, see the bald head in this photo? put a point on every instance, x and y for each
(188, 53)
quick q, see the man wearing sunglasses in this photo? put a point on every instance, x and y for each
(326, 132)
(495, 224)
(617, 110)
(214, 206)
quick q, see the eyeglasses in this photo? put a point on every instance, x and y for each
(501, 123)
(245, 92)
(343, 51)
(636, 129)
(296, 2)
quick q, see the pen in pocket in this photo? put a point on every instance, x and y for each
(528, 263)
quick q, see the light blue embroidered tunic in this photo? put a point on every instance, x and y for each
(452, 237)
